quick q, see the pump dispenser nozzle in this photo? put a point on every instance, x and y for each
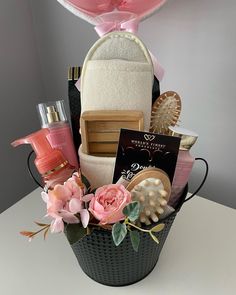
(47, 158)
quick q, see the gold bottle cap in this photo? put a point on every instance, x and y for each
(52, 115)
(188, 137)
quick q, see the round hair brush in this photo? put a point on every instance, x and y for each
(165, 112)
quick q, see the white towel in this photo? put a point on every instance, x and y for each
(98, 170)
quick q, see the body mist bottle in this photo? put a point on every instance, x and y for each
(184, 164)
(53, 117)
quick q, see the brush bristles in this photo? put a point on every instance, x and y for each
(165, 112)
(152, 197)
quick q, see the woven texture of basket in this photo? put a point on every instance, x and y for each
(107, 264)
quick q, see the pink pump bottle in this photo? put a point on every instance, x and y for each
(51, 163)
(52, 116)
(184, 164)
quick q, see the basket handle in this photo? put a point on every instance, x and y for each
(203, 181)
(186, 200)
(30, 170)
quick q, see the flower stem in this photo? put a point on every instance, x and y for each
(37, 232)
(139, 228)
(102, 226)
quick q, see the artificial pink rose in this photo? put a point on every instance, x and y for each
(108, 203)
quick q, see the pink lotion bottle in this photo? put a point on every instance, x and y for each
(53, 117)
(51, 163)
(184, 164)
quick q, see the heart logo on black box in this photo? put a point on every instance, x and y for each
(149, 137)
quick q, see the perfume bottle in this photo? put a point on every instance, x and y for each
(50, 163)
(184, 164)
(52, 116)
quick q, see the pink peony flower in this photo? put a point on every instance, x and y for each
(108, 203)
(64, 201)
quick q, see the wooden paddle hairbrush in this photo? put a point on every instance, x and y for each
(165, 112)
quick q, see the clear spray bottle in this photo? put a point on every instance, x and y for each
(53, 117)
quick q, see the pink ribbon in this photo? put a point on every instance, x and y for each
(128, 26)
(158, 69)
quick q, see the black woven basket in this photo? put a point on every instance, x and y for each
(107, 264)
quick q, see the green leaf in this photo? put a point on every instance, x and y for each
(75, 232)
(154, 238)
(135, 239)
(119, 232)
(158, 228)
(132, 211)
(85, 182)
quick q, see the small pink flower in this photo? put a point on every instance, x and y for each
(75, 190)
(84, 215)
(108, 203)
(77, 178)
(88, 198)
(57, 225)
(57, 198)
(64, 201)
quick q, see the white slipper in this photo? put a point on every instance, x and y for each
(117, 74)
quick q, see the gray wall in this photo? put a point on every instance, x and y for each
(195, 42)
(20, 88)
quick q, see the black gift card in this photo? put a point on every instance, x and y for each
(138, 150)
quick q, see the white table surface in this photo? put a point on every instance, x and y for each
(199, 256)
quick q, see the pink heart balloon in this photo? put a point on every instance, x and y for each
(91, 9)
(116, 15)
(94, 7)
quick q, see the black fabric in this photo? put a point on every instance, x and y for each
(155, 89)
(75, 105)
